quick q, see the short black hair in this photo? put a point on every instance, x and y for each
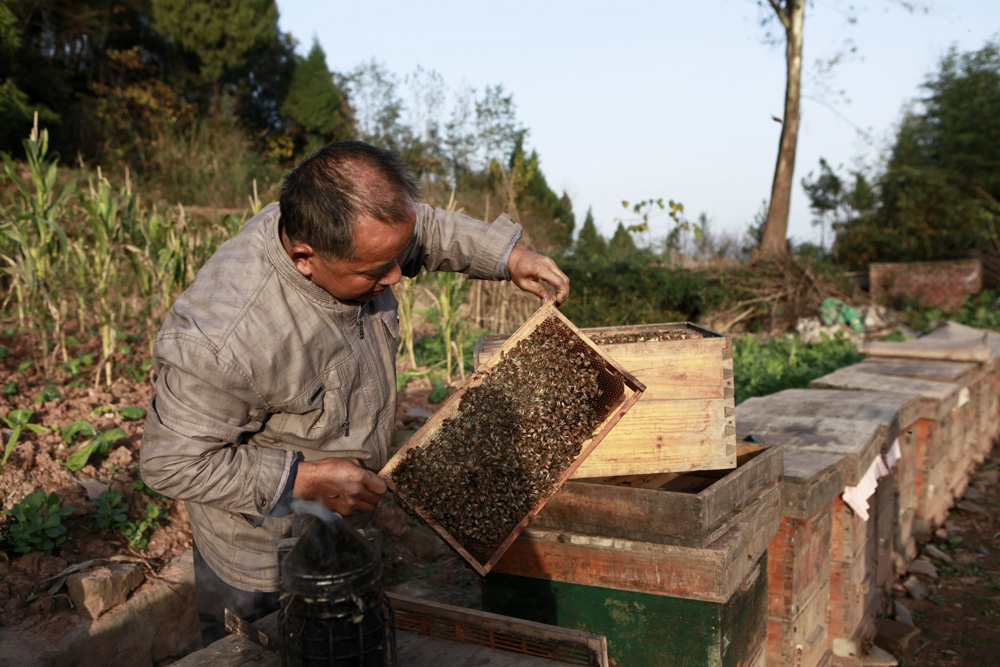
(327, 193)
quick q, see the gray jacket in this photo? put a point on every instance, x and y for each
(256, 364)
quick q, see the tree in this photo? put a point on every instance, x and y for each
(315, 102)
(220, 33)
(934, 198)
(590, 243)
(791, 15)
(621, 244)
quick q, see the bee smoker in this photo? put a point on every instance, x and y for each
(333, 608)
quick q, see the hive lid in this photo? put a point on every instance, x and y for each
(498, 449)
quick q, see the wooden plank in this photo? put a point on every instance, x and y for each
(957, 372)
(528, 637)
(638, 508)
(953, 332)
(896, 411)
(811, 481)
(971, 350)
(684, 419)
(858, 442)
(711, 573)
(936, 398)
(613, 373)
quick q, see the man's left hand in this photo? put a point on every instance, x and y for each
(527, 269)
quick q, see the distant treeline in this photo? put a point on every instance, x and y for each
(198, 98)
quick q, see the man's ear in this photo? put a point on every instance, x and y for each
(304, 257)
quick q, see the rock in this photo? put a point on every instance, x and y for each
(878, 657)
(941, 534)
(896, 637)
(924, 567)
(417, 415)
(94, 487)
(916, 589)
(100, 589)
(903, 614)
(921, 529)
(934, 552)
(970, 506)
(426, 544)
(988, 476)
(972, 493)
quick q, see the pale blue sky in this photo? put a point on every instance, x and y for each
(635, 100)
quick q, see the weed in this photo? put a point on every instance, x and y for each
(96, 447)
(25, 365)
(132, 413)
(18, 420)
(138, 532)
(937, 599)
(9, 388)
(112, 511)
(49, 393)
(38, 523)
(70, 431)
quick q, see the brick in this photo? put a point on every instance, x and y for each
(102, 588)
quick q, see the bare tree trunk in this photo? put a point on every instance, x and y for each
(773, 242)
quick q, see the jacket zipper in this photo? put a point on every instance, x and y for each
(361, 327)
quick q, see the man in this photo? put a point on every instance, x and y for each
(276, 367)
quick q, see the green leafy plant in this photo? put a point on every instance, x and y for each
(765, 366)
(18, 420)
(140, 485)
(112, 510)
(96, 447)
(25, 365)
(71, 431)
(132, 413)
(49, 393)
(74, 367)
(37, 523)
(103, 410)
(138, 532)
(439, 390)
(9, 388)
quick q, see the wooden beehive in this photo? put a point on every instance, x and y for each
(684, 420)
(618, 392)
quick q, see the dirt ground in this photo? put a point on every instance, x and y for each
(959, 617)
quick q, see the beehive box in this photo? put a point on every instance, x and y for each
(690, 592)
(494, 453)
(798, 581)
(686, 509)
(684, 420)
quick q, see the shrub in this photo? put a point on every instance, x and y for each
(37, 523)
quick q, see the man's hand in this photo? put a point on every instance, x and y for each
(528, 268)
(340, 484)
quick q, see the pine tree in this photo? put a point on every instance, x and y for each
(315, 102)
(220, 33)
(621, 244)
(590, 243)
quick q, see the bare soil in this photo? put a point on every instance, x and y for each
(959, 619)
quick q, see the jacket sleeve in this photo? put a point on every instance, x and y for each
(450, 241)
(191, 447)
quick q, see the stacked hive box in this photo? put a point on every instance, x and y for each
(935, 468)
(986, 391)
(937, 431)
(798, 560)
(671, 568)
(855, 426)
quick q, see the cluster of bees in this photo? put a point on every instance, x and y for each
(646, 337)
(510, 440)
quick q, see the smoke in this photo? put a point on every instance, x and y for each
(317, 509)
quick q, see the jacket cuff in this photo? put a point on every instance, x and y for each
(495, 248)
